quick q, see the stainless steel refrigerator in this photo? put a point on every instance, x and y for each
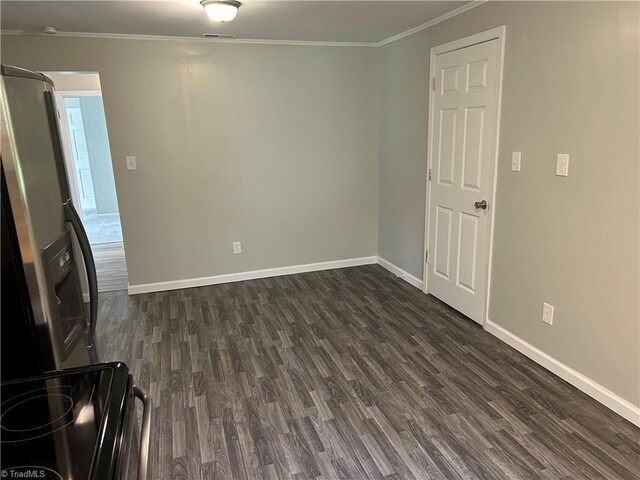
(45, 324)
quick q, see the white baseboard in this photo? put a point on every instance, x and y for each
(596, 391)
(252, 275)
(406, 276)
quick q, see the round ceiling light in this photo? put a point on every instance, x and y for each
(221, 10)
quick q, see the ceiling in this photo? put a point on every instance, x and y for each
(302, 20)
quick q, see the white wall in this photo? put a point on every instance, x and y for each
(570, 86)
(274, 146)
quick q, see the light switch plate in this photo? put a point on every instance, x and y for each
(547, 313)
(515, 161)
(562, 165)
(131, 163)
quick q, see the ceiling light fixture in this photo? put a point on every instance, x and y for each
(221, 10)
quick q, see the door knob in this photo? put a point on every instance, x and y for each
(483, 204)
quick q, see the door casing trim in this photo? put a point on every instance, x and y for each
(500, 34)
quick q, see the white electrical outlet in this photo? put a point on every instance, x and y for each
(547, 313)
(237, 248)
(562, 165)
(131, 163)
(515, 161)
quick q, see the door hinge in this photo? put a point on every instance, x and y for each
(433, 84)
(426, 256)
(429, 177)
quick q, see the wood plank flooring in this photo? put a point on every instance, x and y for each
(349, 374)
(111, 267)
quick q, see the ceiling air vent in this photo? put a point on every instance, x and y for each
(218, 35)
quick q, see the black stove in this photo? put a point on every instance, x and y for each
(72, 424)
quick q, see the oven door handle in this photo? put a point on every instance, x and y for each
(145, 435)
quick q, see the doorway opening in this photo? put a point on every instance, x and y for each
(85, 140)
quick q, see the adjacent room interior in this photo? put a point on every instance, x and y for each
(89, 165)
(363, 240)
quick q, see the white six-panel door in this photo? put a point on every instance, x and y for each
(80, 157)
(463, 147)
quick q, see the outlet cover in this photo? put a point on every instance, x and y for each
(547, 313)
(237, 248)
(131, 163)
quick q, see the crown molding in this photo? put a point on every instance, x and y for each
(257, 41)
(430, 23)
(123, 36)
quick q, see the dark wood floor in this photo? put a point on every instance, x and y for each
(349, 374)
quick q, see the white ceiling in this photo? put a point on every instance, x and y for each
(302, 20)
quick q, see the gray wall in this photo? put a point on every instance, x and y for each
(274, 146)
(77, 82)
(570, 86)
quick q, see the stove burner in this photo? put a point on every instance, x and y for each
(35, 414)
(27, 416)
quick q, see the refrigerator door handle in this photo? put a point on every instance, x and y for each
(74, 219)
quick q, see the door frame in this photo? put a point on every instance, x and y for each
(498, 33)
(68, 153)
